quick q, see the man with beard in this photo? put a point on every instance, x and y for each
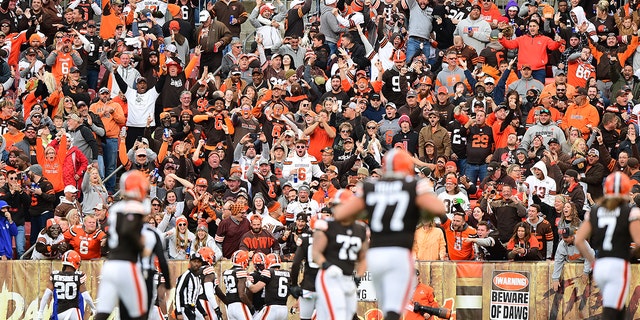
(262, 180)
(625, 79)
(51, 244)
(216, 123)
(150, 66)
(580, 68)
(394, 80)
(545, 128)
(113, 118)
(501, 126)
(507, 155)
(63, 58)
(213, 36)
(28, 143)
(455, 231)
(389, 126)
(561, 96)
(577, 41)
(621, 107)
(580, 114)
(258, 239)
(406, 138)
(336, 92)
(473, 31)
(560, 79)
(374, 111)
(437, 133)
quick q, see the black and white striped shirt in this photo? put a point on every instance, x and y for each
(187, 291)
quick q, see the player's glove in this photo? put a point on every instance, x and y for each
(218, 313)
(357, 280)
(295, 291)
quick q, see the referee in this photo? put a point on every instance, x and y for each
(188, 288)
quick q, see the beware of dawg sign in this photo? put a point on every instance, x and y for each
(509, 295)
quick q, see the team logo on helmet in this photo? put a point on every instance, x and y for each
(72, 259)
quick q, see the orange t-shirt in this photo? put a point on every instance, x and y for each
(12, 139)
(456, 247)
(578, 72)
(86, 245)
(319, 140)
(63, 64)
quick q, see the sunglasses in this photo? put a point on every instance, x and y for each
(561, 90)
(368, 127)
(91, 26)
(345, 131)
(142, 156)
(155, 205)
(300, 147)
(36, 116)
(181, 224)
(13, 178)
(4, 25)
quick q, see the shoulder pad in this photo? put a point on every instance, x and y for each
(208, 270)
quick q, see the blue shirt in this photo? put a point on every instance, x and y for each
(7, 230)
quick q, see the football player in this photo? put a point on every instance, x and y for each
(612, 226)
(239, 307)
(275, 283)
(305, 292)
(155, 270)
(393, 205)
(258, 261)
(121, 278)
(337, 247)
(69, 290)
(210, 285)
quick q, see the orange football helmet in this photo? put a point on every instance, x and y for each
(617, 184)
(273, 260)
(399, 56)
(399, 162)
(240, 258)
(208, 256)
(259, 260)
(134, 185)
(341, 196)
(72, 259)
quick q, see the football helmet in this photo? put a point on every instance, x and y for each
(341, 196)
(273, 260)
(617, 184)
(398, 162)
(72, 259)
(399, 56)
(208, 256)
(134, 185)
(259, 260)
(240, 258)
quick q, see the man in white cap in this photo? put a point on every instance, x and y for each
(213, 36)
(68, 202)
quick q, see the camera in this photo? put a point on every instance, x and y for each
(443, 313)
(493, 192)
(253, 136)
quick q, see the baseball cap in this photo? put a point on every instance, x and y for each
(553, 140)
(204, 16)
(391, 104)
(572, 173)
(544, 110)
(99, 206)
(29, 127)
(363, 171)
(412, 93)
(594, 152)
(141, 151)
(256, 71)
(304, 187)
(525, 66)
(559, 71)
(324, 177)
(443, 89)
(70, 188)
(489, 80)
(567, 232)
(235, 70)
(75, 117)
(104, 90)
(332, 168)
(74, 70)
(141, 79)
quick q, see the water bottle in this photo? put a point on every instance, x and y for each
(34, 185)
(470, 29)
(295, 178)
(231, 19)
(222, 179)
(161, 48)
(123, 131)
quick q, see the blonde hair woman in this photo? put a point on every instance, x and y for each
(93, 190)
(66, 107)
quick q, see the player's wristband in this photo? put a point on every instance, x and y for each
(326, 265)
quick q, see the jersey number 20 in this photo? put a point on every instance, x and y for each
(66, 290)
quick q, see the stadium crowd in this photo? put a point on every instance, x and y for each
(517, 113)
